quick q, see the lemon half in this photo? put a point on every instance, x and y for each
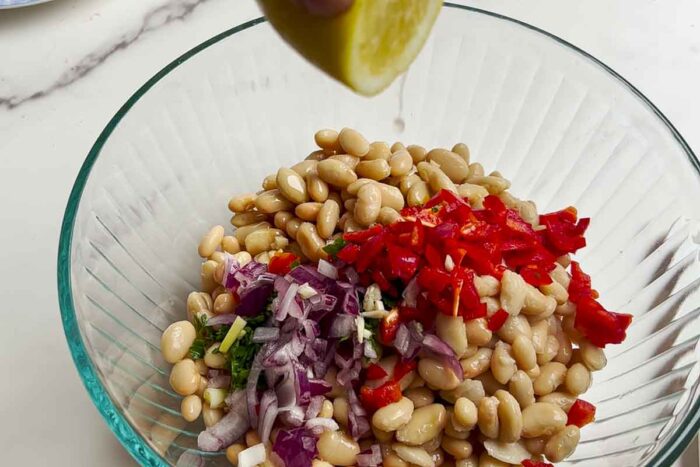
(366, 47)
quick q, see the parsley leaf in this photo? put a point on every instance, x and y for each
(197, 349)
(241, 355)
(206, 336)
(333, 248)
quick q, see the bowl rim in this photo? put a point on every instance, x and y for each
(141, 451)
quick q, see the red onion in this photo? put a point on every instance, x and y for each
(371, 457)
(265, 334)
(268, 414)
(438, 348)
(327, 269)
(227, 430)
(227, 318)
(219, 381)
(319, 424)
(343, 326)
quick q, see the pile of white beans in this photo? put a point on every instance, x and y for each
(519, 382)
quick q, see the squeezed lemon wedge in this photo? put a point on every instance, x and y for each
(366, 47)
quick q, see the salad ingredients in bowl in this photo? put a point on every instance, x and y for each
(390, 305)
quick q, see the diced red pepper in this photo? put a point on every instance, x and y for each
(563, 233)
(581, 413)
(531, 463)
(454, 209)
(362, 235)
(497, 320)
(433, 279)
(380, 279)
(281, 263)
(477, 258)
(433, 256)
(375, 399)
(495, 210)
(388, 327)
(403, 262)
(349, 253)
(429, 217)
(580, 284)
(599, 326)
(375, 371)
(369, 252)
(402, 368)
(537, 274)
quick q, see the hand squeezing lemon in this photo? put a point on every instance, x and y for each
(365, 44)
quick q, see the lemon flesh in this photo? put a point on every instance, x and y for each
(366, 47)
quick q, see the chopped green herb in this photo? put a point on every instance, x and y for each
(333, 248)
(243, 350)
(197, 349)
(241, 355)
(206, 336)
(435, 209)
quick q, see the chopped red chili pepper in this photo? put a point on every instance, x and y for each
(444, 243)
(433, 256)
(281, 263)
(362, 235)
(349, 253)
(402, 368)
(375, 371)
(563, 233)
(598, 325)
(537, 274)
(581, 413)
(369, 251)
(497, 320)
(403, 262)
(375, 398)
(531, 463)
(388, 327)
(433, 279)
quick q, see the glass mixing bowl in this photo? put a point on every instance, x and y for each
(561, 125)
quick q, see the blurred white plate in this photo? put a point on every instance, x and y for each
(19, 3)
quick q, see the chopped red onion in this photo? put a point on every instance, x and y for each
(268, 414)
(352, 275)
(371, 457)
(231, 427)
(439, 349)
(219, 381)
(266, 334)
(314, 407)
(251, 388)
(327, 269)
(319, 424)
(296, 448)
(410, 293)
(226, 318)
(343, 326)
(288, 305)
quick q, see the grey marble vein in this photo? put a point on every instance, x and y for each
(154, 19)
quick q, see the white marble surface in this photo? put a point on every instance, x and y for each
(65, 68)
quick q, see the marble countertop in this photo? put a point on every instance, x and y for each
(65, 68)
